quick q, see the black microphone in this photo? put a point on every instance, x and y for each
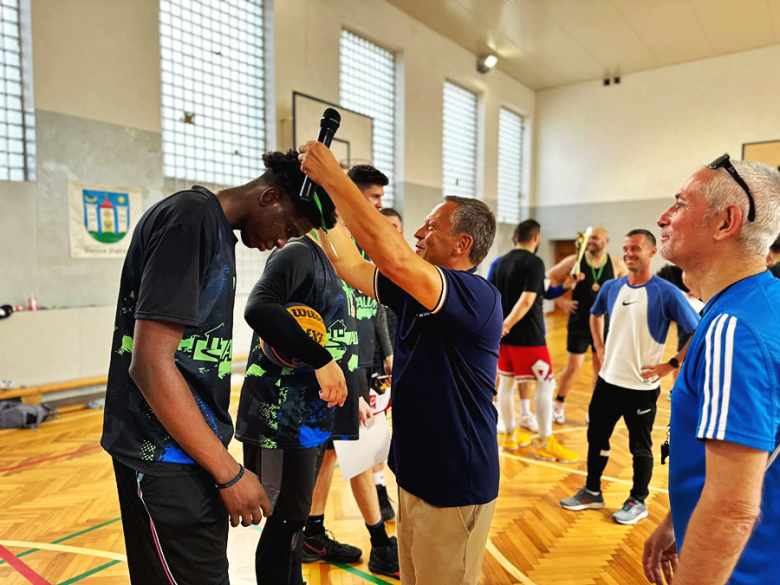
(331, 120)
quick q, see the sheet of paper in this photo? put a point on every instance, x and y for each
(372, 448)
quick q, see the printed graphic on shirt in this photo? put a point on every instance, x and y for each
(182, 255)
(281, 408)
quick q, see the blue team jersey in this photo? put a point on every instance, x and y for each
(729, 390)
(444, 447)
(639, 319)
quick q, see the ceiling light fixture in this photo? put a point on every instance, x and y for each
(486, 62)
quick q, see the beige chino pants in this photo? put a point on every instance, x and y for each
(441, 546)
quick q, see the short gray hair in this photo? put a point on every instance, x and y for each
(473, 217)
(764, 183)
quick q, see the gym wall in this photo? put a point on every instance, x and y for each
(615, 156)
(96, 69)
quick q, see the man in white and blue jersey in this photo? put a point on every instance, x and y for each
(724, 490)
(641, 307)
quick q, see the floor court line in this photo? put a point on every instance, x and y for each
(76, 550)
(564, 469)
(81, 451)
(348, 568)
(89, 573)
(21, 567)
(70, 536)
(506, 564)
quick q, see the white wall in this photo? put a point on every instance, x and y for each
(97, 92)
(99, 60)
(643, 138)
(68, 344)
(307, 60)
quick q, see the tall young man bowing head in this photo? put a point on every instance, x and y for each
(449, 328)
(166, 420)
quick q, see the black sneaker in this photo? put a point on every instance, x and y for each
(384, 503)
(384, 560)
(324, 547)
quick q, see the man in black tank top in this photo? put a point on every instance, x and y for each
(596, 268)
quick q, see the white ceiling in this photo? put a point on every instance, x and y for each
(544, 43)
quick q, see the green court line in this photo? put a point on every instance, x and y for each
(366, 576)
(64, 538)
(348, 568)
(90, 573)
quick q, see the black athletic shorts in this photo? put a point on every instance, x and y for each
(579, 344)
(176, 528)
(288, 476)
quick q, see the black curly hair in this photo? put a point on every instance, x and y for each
(283, 171)
(365, 176)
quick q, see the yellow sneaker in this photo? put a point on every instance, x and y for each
(552, 450)
(512, 442)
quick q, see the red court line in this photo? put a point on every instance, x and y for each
(54, 457)
(24, 570)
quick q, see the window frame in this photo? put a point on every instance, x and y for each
(208, 153)
(476, 154)
(18, 139)
(521, 193)
(390, 160)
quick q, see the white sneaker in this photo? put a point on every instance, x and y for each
(559, 412)
(528, 421)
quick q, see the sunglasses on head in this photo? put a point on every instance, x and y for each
(724, 162)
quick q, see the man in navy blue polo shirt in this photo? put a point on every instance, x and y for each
(444, 451)
(723, 487)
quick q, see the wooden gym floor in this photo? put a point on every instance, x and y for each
(59, 515)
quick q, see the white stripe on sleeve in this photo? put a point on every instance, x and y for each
(728, 354)
(707, 377)
(717, 360)
(443, 296)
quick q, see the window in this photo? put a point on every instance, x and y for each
(459, 142)
(510, 166)
(368, 87)
(213, 89)
(17, 115)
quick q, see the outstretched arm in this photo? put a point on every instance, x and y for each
(558, 273)
(384, 245)
(350, 265)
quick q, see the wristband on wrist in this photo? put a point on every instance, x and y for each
(674, 362)
(232, 482)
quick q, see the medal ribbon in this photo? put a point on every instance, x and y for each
(593, 272)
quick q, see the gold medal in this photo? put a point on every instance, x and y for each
(596, 287)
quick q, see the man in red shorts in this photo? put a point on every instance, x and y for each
(523, 355)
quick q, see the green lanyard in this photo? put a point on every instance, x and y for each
(524, 248)
(597, 275)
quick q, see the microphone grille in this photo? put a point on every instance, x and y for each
(331, 119)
